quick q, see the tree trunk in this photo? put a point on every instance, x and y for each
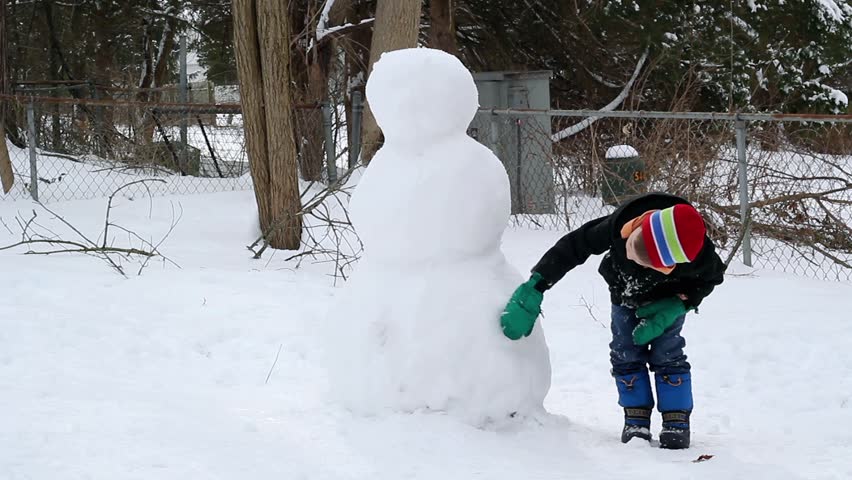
(397, 26)
(442, 31)
(310, 75)
(147, 64)
(310, 127)
(55, 123)
(247, 53)
(274, 39)
(156, 76)
(261, 42)
(7, 176)
(164, 52)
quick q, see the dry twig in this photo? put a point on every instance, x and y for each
(328, 235)
(41, 240)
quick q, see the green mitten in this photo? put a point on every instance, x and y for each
(518, 318)
(656, 318)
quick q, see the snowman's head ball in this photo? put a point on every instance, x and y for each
(419, 94)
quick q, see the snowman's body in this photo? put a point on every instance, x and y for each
(421, 313)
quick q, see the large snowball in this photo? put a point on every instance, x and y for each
(419, 94)
(447, 203)
(427, 338)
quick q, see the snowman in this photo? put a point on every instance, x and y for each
(418, 325)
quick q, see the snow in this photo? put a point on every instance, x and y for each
(431, 99)
(435, 344)
(621, 151)
(162, 376)
(831, 11)
(834, 96)
(229, 368)
(837, 96)
(744, 26)
(323, 20)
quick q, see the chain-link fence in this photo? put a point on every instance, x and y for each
(87, 148)
(787, 178)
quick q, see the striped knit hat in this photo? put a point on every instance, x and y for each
(673, 235)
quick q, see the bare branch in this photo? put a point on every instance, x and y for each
(33, 236)
(328, 235)
(582, 125)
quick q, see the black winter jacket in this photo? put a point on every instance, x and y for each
(629, 283)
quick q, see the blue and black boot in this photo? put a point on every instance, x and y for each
(634, 394)
(674, 392)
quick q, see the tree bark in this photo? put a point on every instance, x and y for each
(310, 128)
(285, 201)
(247, 53)
(164, 52)
(156, 78)
(147, 63)
(442, 31)
(397, 26)
(310, 75)
(7, 176)
(261, 43)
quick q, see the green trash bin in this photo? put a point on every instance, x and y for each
(623, 176)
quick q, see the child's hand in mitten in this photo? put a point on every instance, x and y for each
(518, 318)
(656, 318)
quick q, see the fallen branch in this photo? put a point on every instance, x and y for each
(615, 103)
(740, 238)
(41, 240)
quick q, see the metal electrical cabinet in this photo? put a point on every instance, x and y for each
(523, 143)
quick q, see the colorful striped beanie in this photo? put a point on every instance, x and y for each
(673, 235)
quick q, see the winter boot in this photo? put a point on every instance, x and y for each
(674, 392)
(637, 424)
(675, 432)
(634, 394)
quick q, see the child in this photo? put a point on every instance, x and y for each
(659, 265)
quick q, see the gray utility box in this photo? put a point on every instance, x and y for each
(522, 143)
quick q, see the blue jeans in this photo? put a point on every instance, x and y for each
(664, 354)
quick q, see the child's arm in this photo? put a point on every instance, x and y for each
(707, 278)
(593, 238)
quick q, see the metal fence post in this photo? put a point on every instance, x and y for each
(100, 130)
(355, 141)
(742, 161)
(183, 98)
(519, 184)
(495, 135)
(330, 153)
(31, 140)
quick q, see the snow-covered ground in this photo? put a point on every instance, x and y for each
(164, 375)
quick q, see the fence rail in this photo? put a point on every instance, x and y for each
(776, 187)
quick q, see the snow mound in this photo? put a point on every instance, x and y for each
(621, 151)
